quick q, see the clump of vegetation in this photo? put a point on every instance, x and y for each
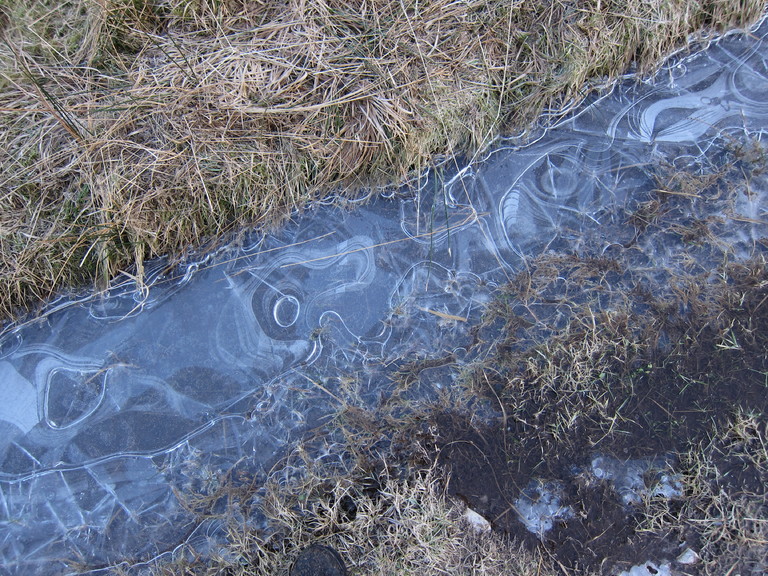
(132, 128)
(725, 479)
(381, 523)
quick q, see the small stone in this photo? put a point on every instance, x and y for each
(476, 521)
(688, 556)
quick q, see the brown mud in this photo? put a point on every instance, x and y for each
(637, 370)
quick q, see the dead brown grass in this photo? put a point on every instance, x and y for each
(390, 523)
(131, 129)
(725, 498)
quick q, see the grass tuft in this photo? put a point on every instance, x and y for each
(381, 524)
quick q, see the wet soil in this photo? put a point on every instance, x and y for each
(705, 363)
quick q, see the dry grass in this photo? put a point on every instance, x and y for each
(131, 129)
(569, 382)
(381, 524)
(729, 514)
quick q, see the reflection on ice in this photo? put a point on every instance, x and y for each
(115, 406)
(19, 405)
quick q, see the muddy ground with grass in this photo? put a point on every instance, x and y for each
(650, 352)
(601, 386)
(135, 129)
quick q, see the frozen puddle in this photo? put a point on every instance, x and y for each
(634, 480)
(542, 503)
(115, 405)
(648, 569)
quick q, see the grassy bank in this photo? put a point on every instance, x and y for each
(133, 128)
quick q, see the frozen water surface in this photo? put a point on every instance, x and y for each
(540, 506)
(114, 404)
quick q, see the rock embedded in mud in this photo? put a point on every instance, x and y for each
(476, 521)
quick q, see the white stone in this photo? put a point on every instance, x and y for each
(688, 556)
(476, 521)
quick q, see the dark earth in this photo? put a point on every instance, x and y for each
(697, 360)
(644, 362)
